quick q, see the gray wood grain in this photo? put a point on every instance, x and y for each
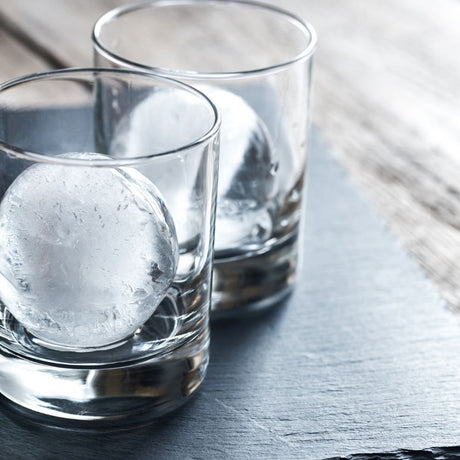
(386, 99)
(16, 59)
(362, 358)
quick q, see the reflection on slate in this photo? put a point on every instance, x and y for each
(363, 357)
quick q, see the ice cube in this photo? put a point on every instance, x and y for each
(86, 253)
(247, 168)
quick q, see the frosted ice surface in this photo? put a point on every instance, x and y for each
(247, 168)
(86, 253)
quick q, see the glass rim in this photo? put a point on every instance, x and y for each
(114, 13)
(26, 154)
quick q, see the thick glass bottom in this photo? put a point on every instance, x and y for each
(127, 394)
(247, 284)
(151, 373)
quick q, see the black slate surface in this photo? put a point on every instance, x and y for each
(362, 359)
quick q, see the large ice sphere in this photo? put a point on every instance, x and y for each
(86, 253)
(247, 173)
(247, 166)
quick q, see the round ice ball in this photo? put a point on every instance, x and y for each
(86, 253)
(247, 162)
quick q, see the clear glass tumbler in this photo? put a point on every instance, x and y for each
(105, 273)
(255, 62)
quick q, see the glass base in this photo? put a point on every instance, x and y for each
(151, 373)
(247, 284)
(126, 394)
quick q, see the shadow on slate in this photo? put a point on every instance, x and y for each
(363, 357)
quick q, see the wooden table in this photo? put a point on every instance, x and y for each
(364, 357)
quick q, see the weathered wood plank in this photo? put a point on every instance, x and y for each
(15, 59)
(61, 28)
(386, 98)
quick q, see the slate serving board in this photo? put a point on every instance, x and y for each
(362, 358)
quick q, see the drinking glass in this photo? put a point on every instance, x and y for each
(255, 63)
(105, 267)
